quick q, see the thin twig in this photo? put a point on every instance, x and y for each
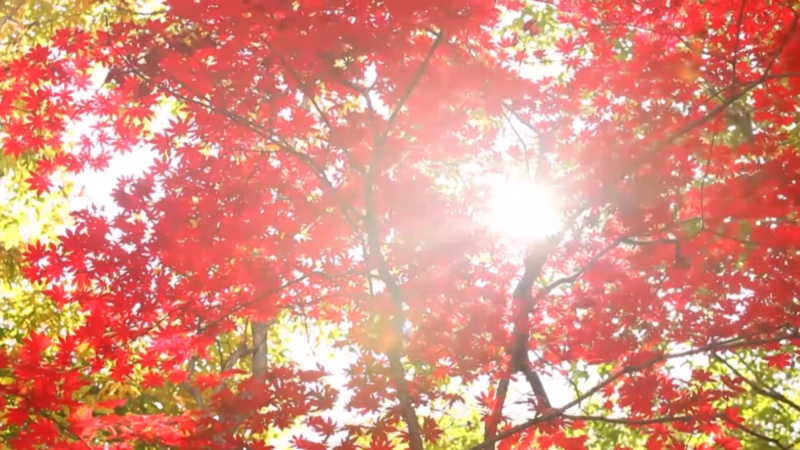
(580, 272)
(757, 388)
(736, 45)
(63, 427)
(523, 143)
(732, 343)
(629, 420)
(703, 182)
(374, 246)
(754, 433)
(345, 208)
(12, 13)
(307, 94)
(412, 86)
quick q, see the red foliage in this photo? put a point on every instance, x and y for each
(273, 192)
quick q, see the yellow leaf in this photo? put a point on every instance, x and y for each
(269, 148)
(689, 72)
(126, 389)
(110, 389)
(82, 413)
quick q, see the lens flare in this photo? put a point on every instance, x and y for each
(523, 211)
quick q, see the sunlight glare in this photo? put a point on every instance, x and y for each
(523, 211)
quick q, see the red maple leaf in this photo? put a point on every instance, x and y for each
(40, 182)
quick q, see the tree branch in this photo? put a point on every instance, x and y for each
(629, 420)
(61, 426)
(739, 21)
(12, 12)
(346, 209)
(410, 88)
(535, 259)
(497, 411)
(307, 93)
(757, 387)
(580, 272)
(374, 251)
(260, 330)
(193, 390)
(754, 433)
(266, 294)
(732, 343)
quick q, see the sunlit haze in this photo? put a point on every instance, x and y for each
(523, 211)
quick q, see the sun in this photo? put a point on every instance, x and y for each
(523, 211)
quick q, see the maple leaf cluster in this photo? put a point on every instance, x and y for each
(301, 175)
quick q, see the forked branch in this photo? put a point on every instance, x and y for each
(744, 340)
(374, 254)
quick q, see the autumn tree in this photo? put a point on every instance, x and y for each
(35, 209)
(31, 213)
(376, 172)
(28, 215)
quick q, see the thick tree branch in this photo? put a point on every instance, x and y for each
(193, 390)
(497, 411)
(535, 382)
(535, 259)
(260, 330)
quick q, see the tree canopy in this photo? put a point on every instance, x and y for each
(501, 224)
